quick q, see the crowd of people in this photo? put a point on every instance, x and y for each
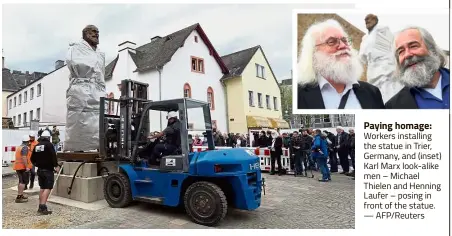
(310, 149)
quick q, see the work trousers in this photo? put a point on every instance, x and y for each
(322, 162)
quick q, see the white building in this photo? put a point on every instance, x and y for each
(43, 99)
(183, 63)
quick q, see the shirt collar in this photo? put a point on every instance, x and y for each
(323, 84)
(443, 81)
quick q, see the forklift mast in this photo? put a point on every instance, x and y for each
(134, 96)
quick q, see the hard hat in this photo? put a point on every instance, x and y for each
(31, 134)
(26, 138)
(171, 114)
(45, 134)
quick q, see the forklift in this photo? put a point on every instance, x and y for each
(204, 183)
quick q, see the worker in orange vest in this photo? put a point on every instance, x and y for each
(31, 146)
(22, 166)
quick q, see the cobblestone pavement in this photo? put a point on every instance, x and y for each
(289, 203)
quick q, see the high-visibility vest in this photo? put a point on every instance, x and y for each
(31, 146)
(19, 163)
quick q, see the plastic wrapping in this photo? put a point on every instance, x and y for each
(376, 52)
(86, 86)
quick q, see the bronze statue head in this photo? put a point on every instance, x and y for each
(371, 21)
(91, 35)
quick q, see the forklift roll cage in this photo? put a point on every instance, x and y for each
(133, 101)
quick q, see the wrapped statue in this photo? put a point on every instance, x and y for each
(86, 85)
(376, 52)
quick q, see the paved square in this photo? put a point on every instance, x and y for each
(290, 202)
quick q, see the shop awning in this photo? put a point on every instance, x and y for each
(279, 123)
(258, 122)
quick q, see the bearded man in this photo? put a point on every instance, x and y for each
(421, 69)
(329, 70)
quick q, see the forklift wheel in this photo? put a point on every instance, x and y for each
(205, 203)
(117, 190)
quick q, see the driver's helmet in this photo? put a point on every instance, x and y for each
(172, 114)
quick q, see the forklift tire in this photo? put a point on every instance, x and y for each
(205, 203)
(117, 191)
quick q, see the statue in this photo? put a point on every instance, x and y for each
(86, 85)
(375, 51)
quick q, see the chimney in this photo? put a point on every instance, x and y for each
(127, 45)
(155, 38)
(59, 64)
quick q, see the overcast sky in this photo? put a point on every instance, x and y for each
(34, 43)
(436, 24)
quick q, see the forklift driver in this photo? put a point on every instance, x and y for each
(172, 135)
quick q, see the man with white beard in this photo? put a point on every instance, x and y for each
(421, 68)
(329, 70)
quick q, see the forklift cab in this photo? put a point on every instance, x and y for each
(177, 161)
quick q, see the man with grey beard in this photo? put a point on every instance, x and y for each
(329, 70)
(421, 69)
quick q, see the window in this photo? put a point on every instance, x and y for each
(259, 99)
(25, 118)
(20, 99)
(214, 124)
(196, 39)
(39, 90)
(19, 120)
(38, 114)
(251, 98)
(25, 96)
(32, 93)
(10, 103)
(15, 102)
(187, 91)
(275, 103)
(267, 100)
(31, 116)
(260, 71)
(197, 65)
(210, 98)
(14, 120)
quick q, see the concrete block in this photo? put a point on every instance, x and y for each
(84, 189)
(100, 189)
(66, 168)
(88, 170)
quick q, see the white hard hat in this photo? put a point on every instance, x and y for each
(171, 114)
(31, 134)
(45, 134)
(26, 138)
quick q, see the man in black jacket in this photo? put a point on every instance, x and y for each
(275, 147)
(332, 151)
(343, 149)
(352, 150)
(329, 72)
(44, 158)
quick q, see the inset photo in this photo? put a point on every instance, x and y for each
(359, 59)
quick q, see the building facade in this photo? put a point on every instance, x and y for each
(43, 100)
(181, 64)
(252, 92)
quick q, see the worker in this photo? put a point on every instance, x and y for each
(31, 145)
(22, 166)
(44, 157)
(172, 138)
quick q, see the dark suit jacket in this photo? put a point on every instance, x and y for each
(369, 96)
(278, 145)
(404, 99)
(343, 142)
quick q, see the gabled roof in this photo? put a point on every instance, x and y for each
(237, 61)
(110, 68)
(161, 49)
(8, 82)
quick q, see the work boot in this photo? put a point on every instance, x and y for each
(21, 199)
(42, 210)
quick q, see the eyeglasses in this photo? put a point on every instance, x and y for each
(333, 42)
